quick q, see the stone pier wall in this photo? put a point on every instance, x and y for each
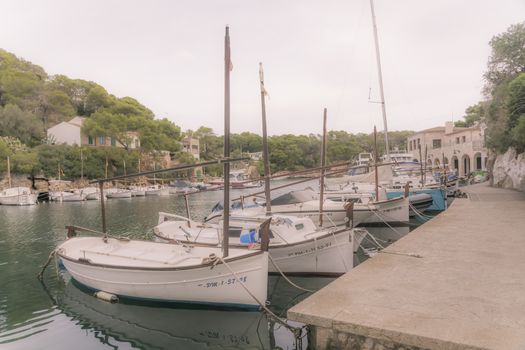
(325, 338)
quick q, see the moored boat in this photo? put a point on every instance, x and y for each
(157, 190)
(296, 246)
(167, 272)
(120, 193)
(18, 196)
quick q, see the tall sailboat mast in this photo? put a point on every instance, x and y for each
(380, 75)
(226, 171)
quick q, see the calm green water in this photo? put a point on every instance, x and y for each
(61, 315)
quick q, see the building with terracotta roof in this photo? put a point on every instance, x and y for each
(460, 149)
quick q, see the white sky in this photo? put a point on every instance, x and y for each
(169, 55)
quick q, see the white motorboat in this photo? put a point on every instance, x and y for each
(167, 272)
(120, 193)
(157, 190)
(18, 196)
(297, 246)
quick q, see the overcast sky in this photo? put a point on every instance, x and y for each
(316, 54)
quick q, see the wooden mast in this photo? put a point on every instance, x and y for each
(81, 165)
(226, 171)
(9, 171)
(323, 164)
(376, 156)
(380, 75)
(266, 155)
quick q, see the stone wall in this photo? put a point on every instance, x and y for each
(329, 339)
(508, 170)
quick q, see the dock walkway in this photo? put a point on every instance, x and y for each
(467, 291)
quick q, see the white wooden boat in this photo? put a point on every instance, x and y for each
(65, 196)
(137, 191)
(157, 190)
(18, 196)
(91, 193)
(303, 203)
(121, 193)
(391, 211)
(297, 246)
(166, 272)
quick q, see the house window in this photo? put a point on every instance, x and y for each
(457, 140)
(410, 145)
(101, 140)
(436, 143)
(463, 139)
(136, 143)
(418, 143)
(90, 140)
(113, 142)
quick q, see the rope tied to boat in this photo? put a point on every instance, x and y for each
(286, 278)
(40, 275)
(297, 331)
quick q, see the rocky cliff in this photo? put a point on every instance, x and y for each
(508, 170)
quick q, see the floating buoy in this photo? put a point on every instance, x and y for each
(112, 298)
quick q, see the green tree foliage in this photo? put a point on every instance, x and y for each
(507, 59)
(20, 124)
(246, 142)
(516, 112)
(472, 115)
(504, 89)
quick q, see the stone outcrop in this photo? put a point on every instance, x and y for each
(508, 170)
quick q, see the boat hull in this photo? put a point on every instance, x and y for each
(123, 194)
(19, 200)
(439, 197)
(158, 192)
(200, 284)
(392, 212)
(331, 255)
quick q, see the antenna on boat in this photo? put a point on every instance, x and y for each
(226, 172)
(380, 75)
(266, 157)
(323, 164)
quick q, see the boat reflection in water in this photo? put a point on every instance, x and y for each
(156, 326)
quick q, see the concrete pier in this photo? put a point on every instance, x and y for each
(466, 291)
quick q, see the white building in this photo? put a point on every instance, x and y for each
(191, 145)
(70, 133)
(461, 149)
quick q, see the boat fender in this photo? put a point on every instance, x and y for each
(112, 298)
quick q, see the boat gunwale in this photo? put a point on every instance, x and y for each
(145, 268)
(271, 247)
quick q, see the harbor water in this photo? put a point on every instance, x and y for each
(60, 314)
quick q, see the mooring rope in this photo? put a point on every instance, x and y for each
(295, 330)
(385, 222)
(286, 278)
(40, 275)
(420, 214)
(413, 255)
